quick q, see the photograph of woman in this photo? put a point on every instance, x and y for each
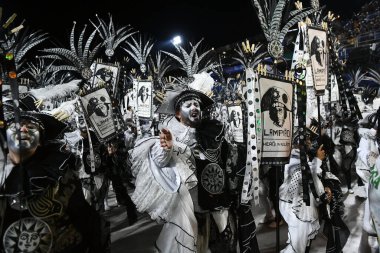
(236, 122)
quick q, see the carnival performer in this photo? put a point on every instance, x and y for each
(42, 204)
(349, 155)
(335, 228)
(118, 174)
(302, 219)
(368, 154)
(94, 181)
(181, 177)
(374, 191)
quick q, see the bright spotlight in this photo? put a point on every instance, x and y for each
(176, 40)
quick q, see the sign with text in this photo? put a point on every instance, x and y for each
(97, 108)
(144, 99)
(318, 49)
(105, 74)
(277, 120)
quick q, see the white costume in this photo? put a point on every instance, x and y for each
(302, 220)
(163, 181)
(369, 155)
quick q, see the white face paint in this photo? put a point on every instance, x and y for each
(30, 137)
(190, 113)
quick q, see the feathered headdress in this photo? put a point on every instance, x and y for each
(111, 37)
(190, 62)
(271, 16)
(78, 58)
(139, 51)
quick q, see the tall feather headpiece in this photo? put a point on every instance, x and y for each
(190, 62)
(139, 51)
(270, 15)
(79, 57)
(112, 37)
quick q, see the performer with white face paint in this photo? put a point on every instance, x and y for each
(27, 145)
(190, 113)
(181, 177)
(42, 207)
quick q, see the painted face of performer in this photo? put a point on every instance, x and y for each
(190, 113)
(30, 137)
(28, 241)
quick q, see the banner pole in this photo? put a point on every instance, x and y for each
(277, 210)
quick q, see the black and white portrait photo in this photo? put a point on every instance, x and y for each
(317, 42)
(144, 99)
(105, 74)
(129, 99)
(99, 106)
(98, 111)
(277, 120)
(236, 122)
(143, 94)
(317, 51)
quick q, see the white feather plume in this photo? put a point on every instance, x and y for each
(56, 91)
(203, 82)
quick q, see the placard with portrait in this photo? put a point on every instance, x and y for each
(105, 74)
(276, 103)
(319, 56)
(97, 108)
(144, 99)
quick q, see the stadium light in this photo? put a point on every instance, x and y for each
(177, 40)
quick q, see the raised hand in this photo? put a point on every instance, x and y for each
(166, 139)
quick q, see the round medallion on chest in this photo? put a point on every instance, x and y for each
(28, 235)
(212, 178)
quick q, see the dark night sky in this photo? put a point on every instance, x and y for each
(219, 22)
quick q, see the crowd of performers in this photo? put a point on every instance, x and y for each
(185, 151)
(187, 175)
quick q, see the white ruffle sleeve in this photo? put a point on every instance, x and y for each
(155, 192)
(162, 192)
(159, 174)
